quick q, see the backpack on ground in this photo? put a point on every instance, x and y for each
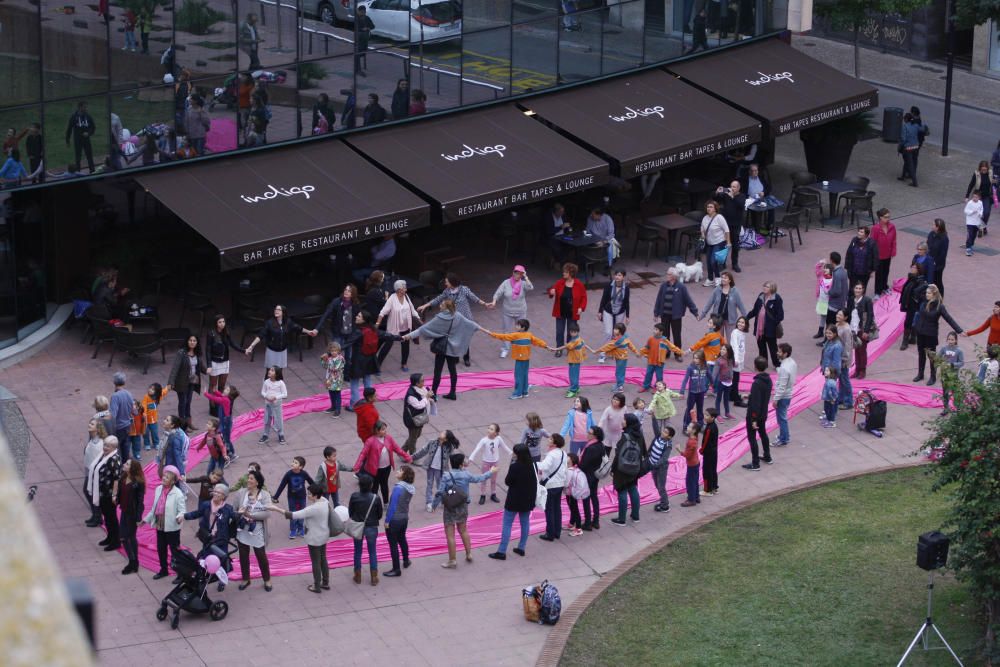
(369, 341)
(630, 457)
(549, 603)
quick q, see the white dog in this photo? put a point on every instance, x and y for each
(688, 273)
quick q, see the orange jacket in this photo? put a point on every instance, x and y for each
(617, 348)
(993, 324)
(711, 343)
(576, 353)
(520, 343)
(658, 349)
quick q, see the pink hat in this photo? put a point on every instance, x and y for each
(173, 469)
(520, 267)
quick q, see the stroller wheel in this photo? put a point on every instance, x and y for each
(161, 613)
(175, 621)
(218, 611)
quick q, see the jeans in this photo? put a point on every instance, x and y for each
(845, 395)
(198, 145)
(124, 447)
(553, 512)
(171, 540)
(691, 483)
(660, 482)
(781, 412)
(694, 399)
(320, 565)
(971, 232)
(752, 433)
(433, 482)
(334, 400)
(624, 496)
(651, 372)
(214, 463)
(272, 419)
(184, 403)
(987, 207)
(396, 534)
(576, 446)
(226, 428)
(830, 410)
(574, 377)
(130, 39)
(621, 365)
(508, 523)
(370, 536)
(439, 362)
(260, 553)
(296, 526)
(910, 165)
(593, 501)
(136, 442)
(562, 327)
(151, 438)
(356, 387)
(82, 145)
(521, 377)
(714, 270)
(721, 397)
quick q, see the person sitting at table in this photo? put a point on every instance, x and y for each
(757, 186)
(602, 228)
(732, 201)
(381, 254)
(554, 225)
(108, 296)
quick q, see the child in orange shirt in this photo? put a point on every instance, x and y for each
(150, 406)
(711, 344)
(520, 351)
(617, 348)
(137, 431)
(693, 463)
(576, 354)
(657, 351)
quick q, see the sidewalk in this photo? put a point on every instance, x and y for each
(926, 78)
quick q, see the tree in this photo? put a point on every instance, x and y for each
(852, 14)
(970, 13)
(968, 469)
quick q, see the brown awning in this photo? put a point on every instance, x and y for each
(286, 202)
(483, 161)
(647, 122)
(773, 81)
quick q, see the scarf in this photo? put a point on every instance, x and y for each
(95, 476)
(759, 325)
(161, 503)
(515, 288)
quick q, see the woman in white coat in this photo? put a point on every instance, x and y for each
(168, 504)
(399, 315)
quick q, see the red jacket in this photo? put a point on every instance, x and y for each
(993, 324)
(367, 415)
(885, 241)
(370, 453)
(579, 297)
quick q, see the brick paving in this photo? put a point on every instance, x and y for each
(430, 615)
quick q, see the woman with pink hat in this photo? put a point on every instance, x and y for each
(513, 296)
(168, 504)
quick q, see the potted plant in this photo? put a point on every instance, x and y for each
(828, 147)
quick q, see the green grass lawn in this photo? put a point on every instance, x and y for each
(821, 577)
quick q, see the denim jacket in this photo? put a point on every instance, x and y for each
(832, 353)
(458, 479)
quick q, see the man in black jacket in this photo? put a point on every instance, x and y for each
(614, 308)
(671, 303)
(81, 127)
(732, 202)
(861, 258)
(760, 398)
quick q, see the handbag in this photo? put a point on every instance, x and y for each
(454, 497)
(722, 255)
(703, 242)
(440, 345)
(356, 529)
(779, 331)
(333, 522)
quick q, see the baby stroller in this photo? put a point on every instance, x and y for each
(228, 94)
(873, 413)
(191, 594)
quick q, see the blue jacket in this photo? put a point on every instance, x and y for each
(695, 379)
(12, 169)
(567, 427)
(680, 301)
(399, 502)
(830, 391)
(930, 266)
(224, 519)
(175, 450)
(458, 479)
(832, 353)
(910, 135)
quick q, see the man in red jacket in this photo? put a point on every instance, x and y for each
(367, 414)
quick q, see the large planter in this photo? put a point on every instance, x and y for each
(828, 155)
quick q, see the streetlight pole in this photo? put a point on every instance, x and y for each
(950, 27)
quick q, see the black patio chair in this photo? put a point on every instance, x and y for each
(138, 345)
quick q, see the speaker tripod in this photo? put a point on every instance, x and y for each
(924, 633)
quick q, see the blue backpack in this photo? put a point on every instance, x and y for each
(550, 604)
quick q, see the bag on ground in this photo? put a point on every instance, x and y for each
(549, 603)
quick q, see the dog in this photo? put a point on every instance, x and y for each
(689, 273)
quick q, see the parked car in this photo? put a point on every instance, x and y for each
(330, 11)
(415, 20)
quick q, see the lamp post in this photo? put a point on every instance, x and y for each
(950, 37)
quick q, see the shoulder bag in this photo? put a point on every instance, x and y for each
(333, 522)
(703, 241)
(454, 497)
(356, 529)
(440, 345)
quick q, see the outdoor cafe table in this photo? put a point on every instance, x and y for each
(692, 187)
(757, 210)
(669, 226)
(834, 188)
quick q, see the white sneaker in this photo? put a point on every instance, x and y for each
(718, 282)
(708, 283)
(430, 508)
(601, 359)
(503, 354)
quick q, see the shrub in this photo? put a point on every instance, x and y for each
(196, 17)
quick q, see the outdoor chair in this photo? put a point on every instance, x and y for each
(861, 187)
(789, 222)
(138, 345)
(173, 338)
(591, 257)
(806, 199)
(304, 340)
(648, 235)
(102, 332)
(198, 302)
(802, 178)
(856, 204)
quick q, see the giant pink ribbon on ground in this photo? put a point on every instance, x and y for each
(484, 529)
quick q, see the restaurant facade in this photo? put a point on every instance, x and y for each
(470, 158)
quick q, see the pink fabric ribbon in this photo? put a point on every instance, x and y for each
(484, 529)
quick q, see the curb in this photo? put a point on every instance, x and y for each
(558, 637)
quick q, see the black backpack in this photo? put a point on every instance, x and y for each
(630, 457)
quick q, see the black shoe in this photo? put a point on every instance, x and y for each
(498, 556)
(932, 381)
(618, 522)
(450, 397)
(482, 500)
(114, 546)
(547, 538)
(494, 498)
(242, 587)
(596, 525)
(92, 523)
(105, 542)
(768, 460)
(160, 575)
(586, 528)
(406, 564)
(737, 269)
(129, 569)
(518, 551)
(221, 587)
(466, 362)
(177, 580)
(392, 573)
(818, 334)
(750, 466)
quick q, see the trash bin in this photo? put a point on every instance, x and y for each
(892, 124)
